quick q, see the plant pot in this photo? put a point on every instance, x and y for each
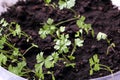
(114, 76)
(6, 75)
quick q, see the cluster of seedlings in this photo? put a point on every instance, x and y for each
(13, 60)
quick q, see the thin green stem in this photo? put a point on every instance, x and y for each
(68, 20)
(65, 58)
(28, 50)
(74, 12)
(107, 68)
(33, 45)
(4, 51)
(73, 50)
(8, 44)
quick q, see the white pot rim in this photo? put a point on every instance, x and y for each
(6, 75)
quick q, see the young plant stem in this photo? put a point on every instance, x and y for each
(106, 68)
(28, 49)
(65, 58)
(75, 14)
(8, 44)
(73, 50)
(68, 20)
(111, 47)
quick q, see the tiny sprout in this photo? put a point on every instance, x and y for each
(111, 46)
(101, 35)
(96, 66)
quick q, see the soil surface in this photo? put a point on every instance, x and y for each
(103, 16)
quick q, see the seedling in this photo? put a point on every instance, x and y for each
(18, 69)
(61, 43)
(104, 37)
(77, 43)
(47, 62)
(111, 47)
(101, 35)
(12, 54)
(82, 25)
(96, 66)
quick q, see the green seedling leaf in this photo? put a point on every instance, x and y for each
(91, 62)
(82, 25)
(79, 42)
(91, 72)
(48, 28)
(17, 31)
(47, 1)
(95, 58)
(62, 29)
(80, 22)
(2, 42)
(39, 71)
(16, 52)
(48, 62)
(70, 4)
(101, 35)
(18, 69)
(66, 4)
(51, 60)
(40, 57)
(71, 57)
(55, 56)
(50, 21)
(5, 24)
(2, 21)
(70, 64)
(97, 67)
(3, 59)
(61, 43)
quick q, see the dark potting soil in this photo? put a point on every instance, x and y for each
(103, 16)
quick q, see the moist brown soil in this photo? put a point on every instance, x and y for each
(100, 13)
